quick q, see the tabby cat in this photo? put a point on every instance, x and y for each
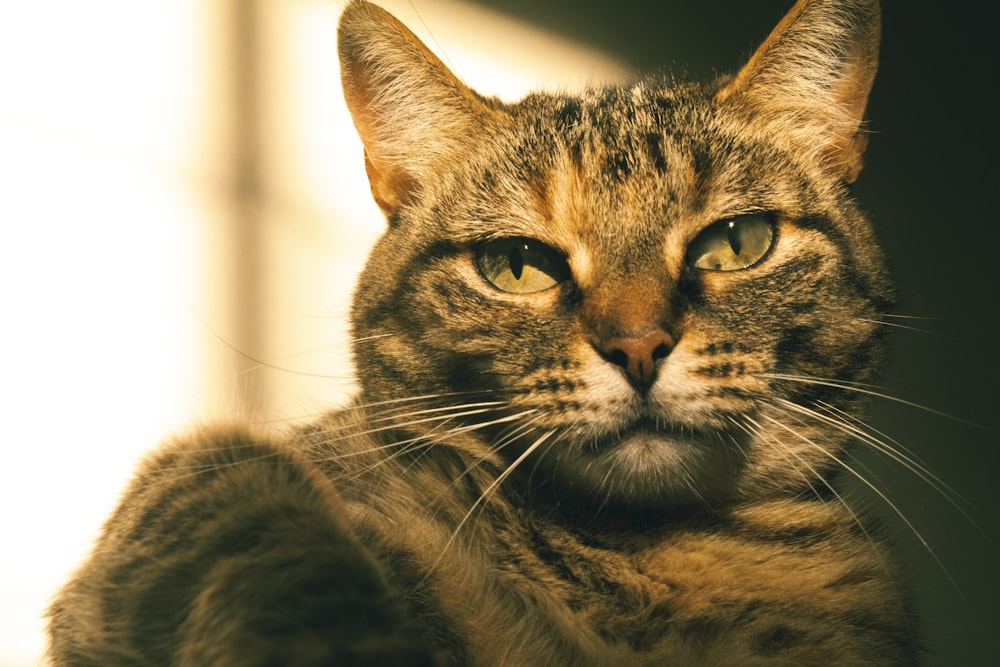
(603, 347)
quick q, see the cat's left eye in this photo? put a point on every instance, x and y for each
(521, 265)
(732, 244)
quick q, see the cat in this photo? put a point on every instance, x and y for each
(605, 348)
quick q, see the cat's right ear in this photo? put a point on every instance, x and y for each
(412, 113)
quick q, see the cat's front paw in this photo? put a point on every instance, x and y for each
(327, 609)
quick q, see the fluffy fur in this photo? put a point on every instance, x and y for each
(633, 464)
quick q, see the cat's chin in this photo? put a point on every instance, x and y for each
(645, 467)
(646, 451)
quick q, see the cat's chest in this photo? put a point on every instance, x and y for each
(500, 584)
(628, 595)
(540, 594)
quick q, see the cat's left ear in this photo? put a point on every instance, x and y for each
(810, 80)
(412, 113)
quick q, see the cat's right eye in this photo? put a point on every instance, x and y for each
(521, 265)
(732, 244)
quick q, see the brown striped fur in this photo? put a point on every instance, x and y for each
(634, 466)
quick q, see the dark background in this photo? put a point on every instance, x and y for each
(930, 181)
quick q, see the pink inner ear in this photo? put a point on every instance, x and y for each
(390, 185)
(852, 93)
(411, 112)
(849, 154)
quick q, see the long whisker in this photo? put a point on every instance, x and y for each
(398, 405)
(861, 478)
(815, 474)
(259, 363)
(371, 337)
(368, 406)
(485, 495)
(874, 432)
(758, 431)
(892, 449)
(426, 438)
(882, 496)
(440, 415)
(899, 455)
(896, 325)
(463, 410)
(912, 317)
(506, 440)
(862, 389)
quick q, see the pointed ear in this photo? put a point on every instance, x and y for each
(811, 78)
(411, 112)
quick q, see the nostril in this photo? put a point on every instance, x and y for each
(618, 357)
(662, 350)
(638, 356)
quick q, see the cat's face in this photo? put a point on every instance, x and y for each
(618, 290)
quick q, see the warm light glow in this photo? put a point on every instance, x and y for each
(115, 264)
(99, 273)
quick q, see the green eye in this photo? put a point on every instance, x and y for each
(731, 245)
(521, 265)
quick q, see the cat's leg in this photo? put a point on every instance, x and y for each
(229, 550)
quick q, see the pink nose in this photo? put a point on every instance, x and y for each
(639, 355)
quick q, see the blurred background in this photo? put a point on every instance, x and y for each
(183, 209)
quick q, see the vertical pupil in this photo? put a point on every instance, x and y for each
(733, 237)
(516, 260)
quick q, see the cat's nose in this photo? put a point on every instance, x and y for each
(639, 356)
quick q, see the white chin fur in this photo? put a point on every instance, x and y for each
(646, 468)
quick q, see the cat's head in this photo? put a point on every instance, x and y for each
(647, 294)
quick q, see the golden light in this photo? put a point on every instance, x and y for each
(125, 270)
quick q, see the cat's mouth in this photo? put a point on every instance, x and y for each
(650, 463)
